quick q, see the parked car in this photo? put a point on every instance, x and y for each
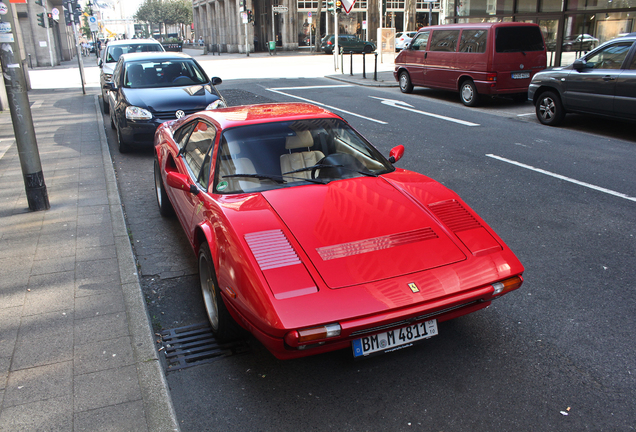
(473, 59)
(313, 241)
(348, 43)
(402, 38)
(111, 53)
(150, 88)
(602, 82)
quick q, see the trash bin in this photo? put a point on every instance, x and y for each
(272, 47)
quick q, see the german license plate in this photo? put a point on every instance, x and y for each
(520, 75)
(393, 340)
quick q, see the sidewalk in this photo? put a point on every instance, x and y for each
(76, 349)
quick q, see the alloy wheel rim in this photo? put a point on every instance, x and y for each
(209, 294)
(467, 93)
(547, 108)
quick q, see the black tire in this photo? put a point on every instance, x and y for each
(223, 325)
(406, 86)
(368, 49)
(112, 122)
(468, 93)
(165, 206)
(549, 108)
(122, 146)
(105, 106)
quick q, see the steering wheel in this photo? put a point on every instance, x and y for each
(182, 78)
(337, 164)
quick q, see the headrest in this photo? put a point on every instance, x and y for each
(302, 139)
(231, 148)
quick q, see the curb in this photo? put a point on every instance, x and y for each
(160, 414)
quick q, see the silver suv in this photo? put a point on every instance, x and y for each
(110, 54)
(602, 82)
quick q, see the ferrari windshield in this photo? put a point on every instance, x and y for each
(273, 155)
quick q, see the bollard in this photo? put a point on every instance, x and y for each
(351, 67)
(364, 67)
(375, 72)
(341, 60)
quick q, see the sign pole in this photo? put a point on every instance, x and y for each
(36, 193)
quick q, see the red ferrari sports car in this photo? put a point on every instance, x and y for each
(310, 239)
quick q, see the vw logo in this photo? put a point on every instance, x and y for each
(179, 114)
(521, 66)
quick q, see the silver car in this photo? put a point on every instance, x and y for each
(602, 82)
(111, 53)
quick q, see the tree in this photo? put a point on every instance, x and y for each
(165, 12)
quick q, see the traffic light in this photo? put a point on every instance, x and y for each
(40, 2)
(330, 5)
(250, 16)
(41, 20)
(338, 5)
(383, 7)
(67, 12)
(50, 16)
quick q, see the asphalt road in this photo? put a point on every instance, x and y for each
(557, 355)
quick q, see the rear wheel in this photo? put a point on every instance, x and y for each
(105, 106)
(549, 109)
(165, 206)
(223, 325)
(368, 49)
(468, 93)
(406, 86)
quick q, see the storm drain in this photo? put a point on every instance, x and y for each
(194, 345)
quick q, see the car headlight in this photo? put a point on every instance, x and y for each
(136, 113)
(216, 104)
(107, 77)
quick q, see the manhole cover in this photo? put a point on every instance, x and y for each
(194, 345)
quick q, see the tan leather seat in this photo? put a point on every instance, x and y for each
(297, 160)
(237, 165)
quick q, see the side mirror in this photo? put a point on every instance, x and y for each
(109, 85)
(396, 154)
(216, 81)
(180, 181)
(580, 64)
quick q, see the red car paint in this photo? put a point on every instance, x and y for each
(344, 252)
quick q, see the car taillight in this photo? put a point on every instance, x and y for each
(507, 285)
(491, 76)
(297, 338)
(329, 43)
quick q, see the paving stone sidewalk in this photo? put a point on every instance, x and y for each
(76, 348)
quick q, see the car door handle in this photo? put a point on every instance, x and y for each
(609, 78)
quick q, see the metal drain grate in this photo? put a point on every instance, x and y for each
(194, 345)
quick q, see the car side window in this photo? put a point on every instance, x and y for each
(117, 73)
(420, 41)
(198, 151)
(181, 136)
(473, 41)
(444, 40)
(610, 57)
(633, 65)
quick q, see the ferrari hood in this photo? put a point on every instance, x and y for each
(171, 98)
(362, 231)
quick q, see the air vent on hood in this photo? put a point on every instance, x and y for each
(271, 249)
(374, 244)
(454, 216)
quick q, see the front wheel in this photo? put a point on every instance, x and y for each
(368, 49)
(549, 109)
(468, 93)
(223, 325)
(406, 86)
(122, 146)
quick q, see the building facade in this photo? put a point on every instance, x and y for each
(570, 27)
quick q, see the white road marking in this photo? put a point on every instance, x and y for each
(568, 179)
(523, 115)
(407, 107)
(333, 108)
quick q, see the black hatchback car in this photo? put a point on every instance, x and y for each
(148, 89)
(602, 82)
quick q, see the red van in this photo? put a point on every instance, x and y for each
(474, 59)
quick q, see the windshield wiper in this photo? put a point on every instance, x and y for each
(276, 178)
(310, 168)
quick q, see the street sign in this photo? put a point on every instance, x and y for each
(347, 5)
(280, 9)
(92, 23)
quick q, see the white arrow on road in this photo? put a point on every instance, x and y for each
(408, 107)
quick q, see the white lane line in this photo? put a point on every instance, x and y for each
(409, 107)
(568, 179)
(523, 115)
(333, 108)
(313, 87)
